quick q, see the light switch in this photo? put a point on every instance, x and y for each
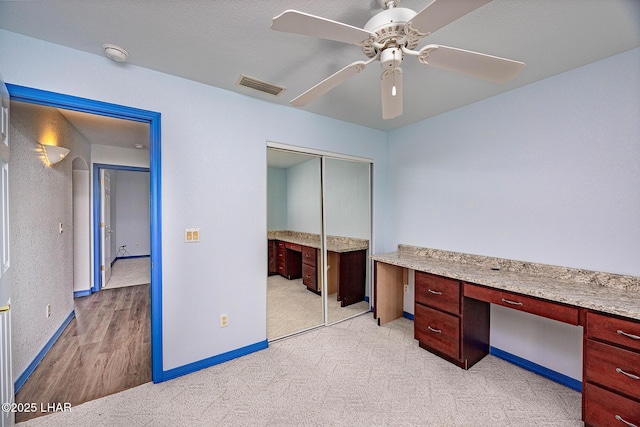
(191, 235)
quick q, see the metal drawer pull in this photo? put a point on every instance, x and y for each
(620, 371)
(619, 418)
(633, 337)
(511, 302)
(437, 331)
(435, 292)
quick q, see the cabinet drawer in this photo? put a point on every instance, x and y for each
(617, 331)
(438, 330)
(438, 292)
(281, 268)
(309, 278)
(309, 256)
(280, 244)
(603, 408)
(613, 367)
(293, 247)
(548, 309)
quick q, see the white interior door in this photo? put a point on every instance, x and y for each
(105, 225)
(7, 418)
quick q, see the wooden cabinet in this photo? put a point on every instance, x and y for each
(310, 270)
(273, 257)
(351, 277)
(448, 325)
(289, 263)
(611, 392)
(551, 310)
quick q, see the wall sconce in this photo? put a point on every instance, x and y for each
(53, 153)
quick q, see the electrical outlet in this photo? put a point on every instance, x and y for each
(224, 320)
(406, 288)
(48, 310)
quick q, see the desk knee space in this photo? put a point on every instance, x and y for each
(389, 292)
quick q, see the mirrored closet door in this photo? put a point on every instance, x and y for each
(318, 236)
(347, 224)
(294, 229)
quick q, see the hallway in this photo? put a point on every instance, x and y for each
(104, 350)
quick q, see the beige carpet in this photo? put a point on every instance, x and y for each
(130, 272)
(292, 308)
(354, 373)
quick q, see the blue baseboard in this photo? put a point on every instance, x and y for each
(36, 361)
(407, 315)
(214, 360)
(84, 293)
(538, 369)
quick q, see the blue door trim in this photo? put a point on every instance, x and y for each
(52, 99)
(97, 205)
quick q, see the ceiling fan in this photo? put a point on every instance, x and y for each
(389, 36)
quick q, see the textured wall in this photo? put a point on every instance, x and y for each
(41, 198)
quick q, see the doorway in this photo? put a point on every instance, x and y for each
(123, 218)
(318, 234)
(35, 96)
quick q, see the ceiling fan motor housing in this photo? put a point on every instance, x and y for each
(389, 27)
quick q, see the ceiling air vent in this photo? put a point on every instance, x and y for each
(260, 85)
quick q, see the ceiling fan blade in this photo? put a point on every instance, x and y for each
(391, 98)
(439, 13)
(292, 21)
(487, 67)
(329, 83)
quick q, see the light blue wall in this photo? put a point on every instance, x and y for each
(547, 173)
(213, 177)
(276, 199)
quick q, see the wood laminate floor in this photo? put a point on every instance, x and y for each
(105, 349)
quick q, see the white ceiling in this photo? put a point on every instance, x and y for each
(110, 131)
(215, 41)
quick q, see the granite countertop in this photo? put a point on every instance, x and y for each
(334, 243)
(609, 293)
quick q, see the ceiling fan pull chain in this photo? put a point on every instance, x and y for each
(393, 88)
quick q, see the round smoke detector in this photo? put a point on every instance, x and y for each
(116, 53)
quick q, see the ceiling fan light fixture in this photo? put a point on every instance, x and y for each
(116, 53)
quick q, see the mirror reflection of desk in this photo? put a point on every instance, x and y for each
(298, 255)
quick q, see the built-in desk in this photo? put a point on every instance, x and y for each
(453, 293)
